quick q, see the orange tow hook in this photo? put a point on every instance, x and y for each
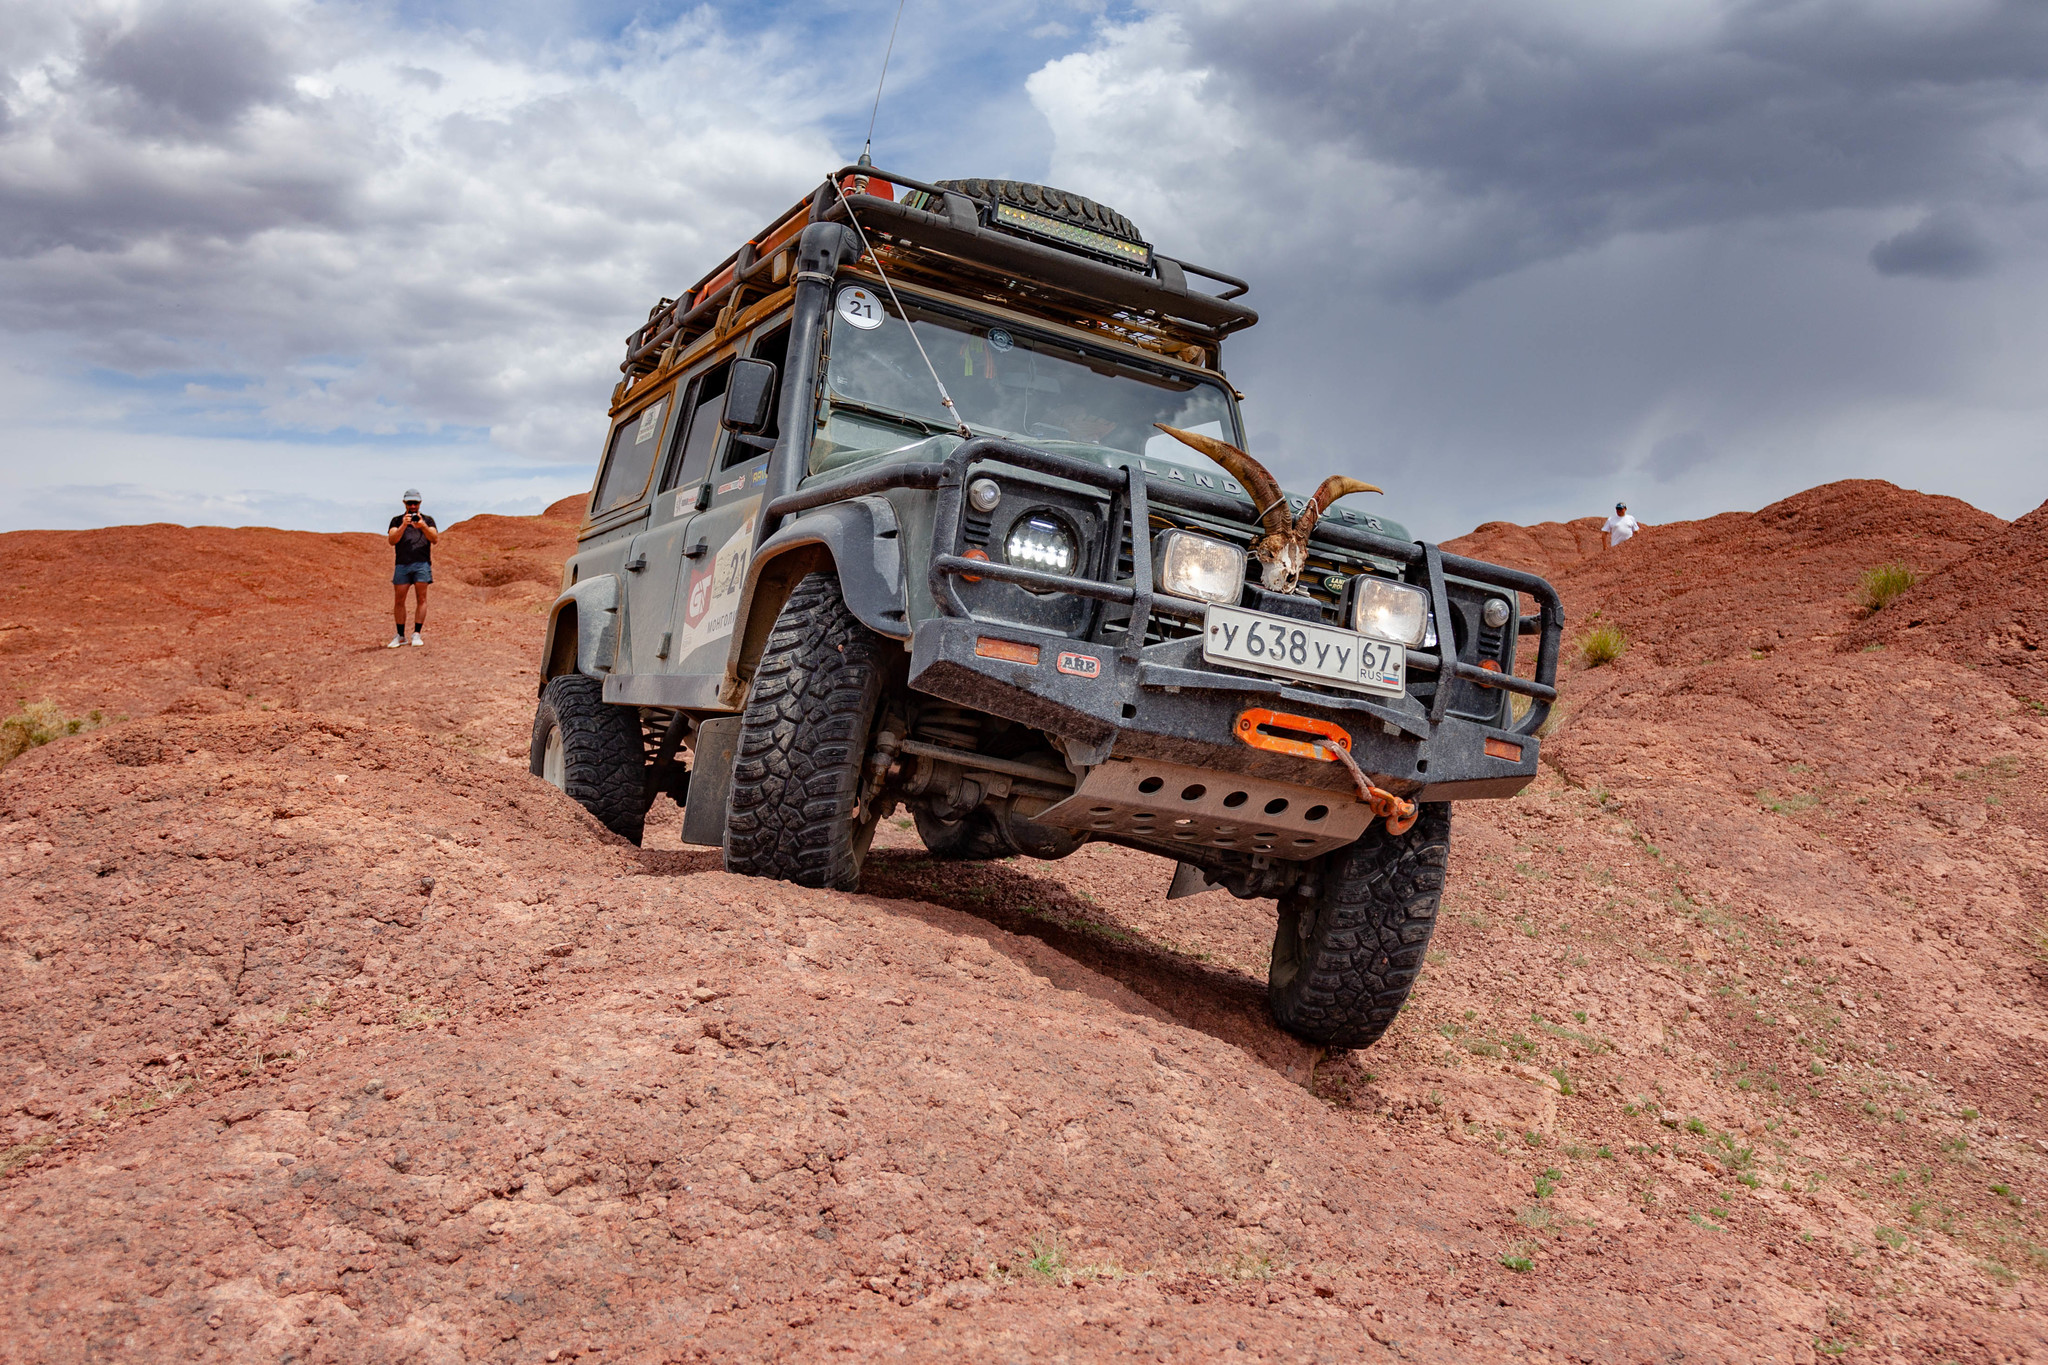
(1399, 814)
(1307, 737)
(1301, 736)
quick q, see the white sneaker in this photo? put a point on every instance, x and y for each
(416, 638)
(396, 641)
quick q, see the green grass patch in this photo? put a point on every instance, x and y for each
(1884, 584)
(1603, 645)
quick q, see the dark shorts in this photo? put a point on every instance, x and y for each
(412, 573)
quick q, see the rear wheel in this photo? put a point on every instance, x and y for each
(1344, 960)
(796, 810)
(591, 749)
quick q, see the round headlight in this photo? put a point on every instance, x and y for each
(984, 494)
(1495, 612)
(1041, 541)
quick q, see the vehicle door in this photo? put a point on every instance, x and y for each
(721, 538)
(656, 562)
(618, 503)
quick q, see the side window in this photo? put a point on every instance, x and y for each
(672, 463)
(700, 433)
(773, 348)
(630, 460)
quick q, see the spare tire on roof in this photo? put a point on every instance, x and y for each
(1069, 208)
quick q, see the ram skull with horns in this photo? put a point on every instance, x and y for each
(1282, 551)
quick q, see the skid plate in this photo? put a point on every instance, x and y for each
(1169, 803)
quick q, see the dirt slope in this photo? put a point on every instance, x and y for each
(1986, 610)
(142, 620)
(1547, 548)
(326, 1032)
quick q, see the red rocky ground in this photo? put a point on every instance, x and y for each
(326, 1033)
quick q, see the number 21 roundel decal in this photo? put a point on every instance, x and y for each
(860, 307)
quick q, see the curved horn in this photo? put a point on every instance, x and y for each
(1327, 492)
(1266, 496)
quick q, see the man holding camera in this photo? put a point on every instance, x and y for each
(414, 533)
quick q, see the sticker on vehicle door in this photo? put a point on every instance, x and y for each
(699, 601)
(714, 593)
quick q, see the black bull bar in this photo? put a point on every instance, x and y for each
(1132, 494)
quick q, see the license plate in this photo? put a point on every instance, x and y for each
(1299, 649)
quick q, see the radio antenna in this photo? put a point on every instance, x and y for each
(868, 250)
(868, 144)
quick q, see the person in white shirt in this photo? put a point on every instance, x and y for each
(1621, 526)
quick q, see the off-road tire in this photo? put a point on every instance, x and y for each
(975, 837)
(798, 767)
(1341, 982)
(603, 766)
(1068, 208)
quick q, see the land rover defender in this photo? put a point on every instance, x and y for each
(934, 496)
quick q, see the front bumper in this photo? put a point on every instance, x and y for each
(1168, 705)
(1162, 702)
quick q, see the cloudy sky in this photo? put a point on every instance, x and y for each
(269, 261)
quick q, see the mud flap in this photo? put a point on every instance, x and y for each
(1188, 880)
(710, 781)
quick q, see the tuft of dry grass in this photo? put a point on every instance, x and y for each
(1883, 584)
(38, 723)
(11, 1157)
(1603, 645)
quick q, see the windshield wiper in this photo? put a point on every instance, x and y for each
(890, 415)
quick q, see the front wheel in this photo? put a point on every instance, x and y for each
(1344, 959)
(590, 749)
(798, 772)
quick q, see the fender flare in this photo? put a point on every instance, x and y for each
(583, 630)
(859, 539)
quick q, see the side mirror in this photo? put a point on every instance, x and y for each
(749, 391)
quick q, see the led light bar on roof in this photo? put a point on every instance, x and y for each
(1134, 254)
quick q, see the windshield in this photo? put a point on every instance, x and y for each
(1005, 383)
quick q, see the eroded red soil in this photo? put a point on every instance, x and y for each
(327, 1033)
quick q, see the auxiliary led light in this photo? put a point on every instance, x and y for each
(1041, 541)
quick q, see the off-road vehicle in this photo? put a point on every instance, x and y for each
(934, 496)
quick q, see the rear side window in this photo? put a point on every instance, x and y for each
(635, 442)
(706, 404)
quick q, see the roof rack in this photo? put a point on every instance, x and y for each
(956, 243)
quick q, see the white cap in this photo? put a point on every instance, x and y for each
(411, 495)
